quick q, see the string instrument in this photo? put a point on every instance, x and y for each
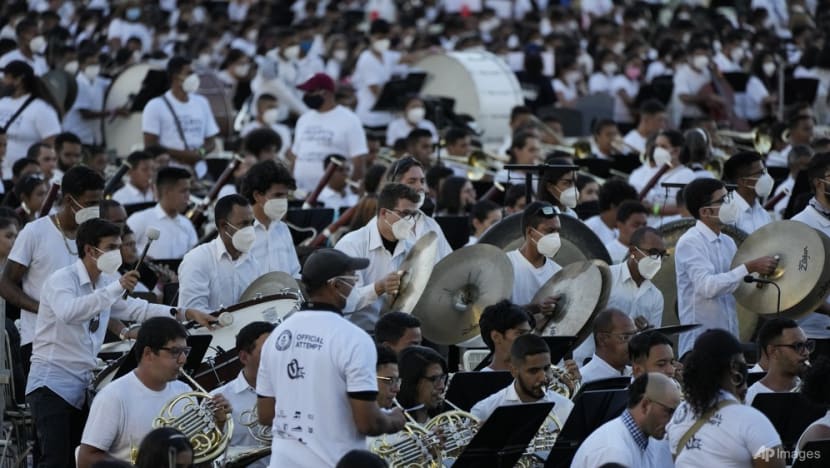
(344, 219)
(724, 112)
(777, 198)
(197, 214)
(50, 199)
(334, 165)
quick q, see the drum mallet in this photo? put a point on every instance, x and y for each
(152, 234)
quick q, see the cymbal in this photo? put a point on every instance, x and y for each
(274, 282)
(583, 289)
(802, 273)
(417, 267)
(461, 285)
(579, 242)
(673, 329)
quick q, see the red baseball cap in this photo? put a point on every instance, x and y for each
(317, 82)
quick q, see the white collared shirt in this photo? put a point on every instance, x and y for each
(705, 282)
(814, 324)
(632, 300)
(129, 194)
(210, 279)
(65, 350)
(617, 251)
(426, 224)
(598, 369)
(177, 235)
(527, 279)
(751, 218)
(274, 249)
(667, 196)
(242, 398)
(639, 177)
(333, 199)
(605, 233)
(613, 443)
(508, 396)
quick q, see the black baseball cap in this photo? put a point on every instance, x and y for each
(17, 68)
(325, 264)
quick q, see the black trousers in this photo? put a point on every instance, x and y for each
(59, 427)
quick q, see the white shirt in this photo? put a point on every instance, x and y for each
(177, 235)
(310, 364)
(43, 250)
(372, 71)
(282, 130)
(731, 438)
(814, 324)
(639, 177)
(688, 81)
(655, 69)
(38, 62)
(622, 114)
(400, 128)
(617, 251)
(124, 30)
(597, 7)
(751, 218)
(787, 184)
(634, 140)
(36, 123)
(129, 194)
(645, 300)
(508, 396)
(364, 304)
(123, 413)
(756, 92)
(65, 350)
(336, 200)
(318, 135)
(667, 196)
(705, 282)
(822, 421)
(274, 249)
(210, 279)
(242, 397)
(569, 92)
(605, 233)
(598, 369)
(613, 443)
(527, 279)
(90, 97)
(600, 83)
(779, 158)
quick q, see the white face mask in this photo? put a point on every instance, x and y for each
(609, 68)
(548, 245)
(108, 262)
(275, 208)
(769, 68)
(92, 71)
(271, 116)
(422, 197)
(618, 48)
(763, 186)
(71, 67)
(572, 77)
(728, 212)
(292, 52)
(661, 156)
(700, 62)
(85, 214)
(38, 45)
(203, 60)
(648, 267)
(402, 229)
(737, 54)
(191, 83)
(569, 197)
(243, 239)
(242, 69)
(381, 45)
(251, 36)
(415, 115)
(340, 55)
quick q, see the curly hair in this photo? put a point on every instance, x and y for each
(707, 364)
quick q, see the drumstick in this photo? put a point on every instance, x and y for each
(152, 234)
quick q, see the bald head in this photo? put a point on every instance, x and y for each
(663, 389)
(606, 320)
(612, 330)
(652, 399)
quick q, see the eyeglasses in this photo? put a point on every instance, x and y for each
(799, 347)
(391, 381)
(756, 175)
(407, 214)
(436, 378)
(177, 352)
(725, 199)
(654, 253)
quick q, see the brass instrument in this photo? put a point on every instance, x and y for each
(546, 129)
(456, 428)
(761, 139)
(580, 149)
(412, 447)
(192, 414)
(260, 432)
(478, 164)
(543, 441)
(563, 383)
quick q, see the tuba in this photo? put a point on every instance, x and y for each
(192, 414)
(412, 447)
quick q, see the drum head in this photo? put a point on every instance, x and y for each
(63, 87)
(123, 134)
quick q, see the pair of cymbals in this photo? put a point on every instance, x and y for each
(268, 284)
(417, 268)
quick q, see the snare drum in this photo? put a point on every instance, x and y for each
(105, 376)
(115, 349)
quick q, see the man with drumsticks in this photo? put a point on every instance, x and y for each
(76, 303)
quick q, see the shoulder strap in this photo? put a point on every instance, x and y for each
(17, 113)
(176, 119)
(699, 423)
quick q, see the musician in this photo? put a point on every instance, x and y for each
(113, 212)
(485, 214)
(241, 391)
(746, 170)
(267, 116)
(398, 330)
(557, 186)
(705, 280)
(635, 437)
(689, 79)
(178, 235)
(327, 129)
(788, 350)
(423, 382)
(801, 129)
(713, 377)
(652, 119)
(267, 186)
(46, 160)
(31, 191)
(515, 199)
(410, 172)
(30, 47)
(612, 329)
(419, 146)
(85, 117)
(612, 193)
(533, 262)
(68, 150)
(181, 120)
(459, 145)
(525, 148)
(631, 216)
(797, 160)
(816, 391)
(76, 304)
(138, 188)
(337, 193)
(322, 368)
(122, 413)
(413, 118)
(605, 133)
(47, 245)
(500, 324)
(651, 351)
(389, 380)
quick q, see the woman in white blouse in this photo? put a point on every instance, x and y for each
(568, 84)
(761, 89)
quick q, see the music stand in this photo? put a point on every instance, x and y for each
(199, 345)
(494, 446)
(737, 80)
(135, 207)
(800, 90)
(395, 92)
(456, 230)
(317, 218)
(813, 455)
(614, 383)
(790, 413)
(468, 388)
(560, 346)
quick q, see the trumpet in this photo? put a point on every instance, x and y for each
(761, 139)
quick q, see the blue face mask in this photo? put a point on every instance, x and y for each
(305, 46)
(133, 13)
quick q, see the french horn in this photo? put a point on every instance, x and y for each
(260, 432)
(412, 447)
(563, 383)
(455, 428)
(543, 441)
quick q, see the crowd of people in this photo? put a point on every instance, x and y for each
(292, 91)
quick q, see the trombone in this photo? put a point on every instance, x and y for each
(761, 139)
(580, 149)
(478, 164)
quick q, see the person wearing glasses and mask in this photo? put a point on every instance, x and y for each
(385, 241)
(612, 329)
(214, 275)
(632, 291)
(76, 303)
(746, 170)
(787, 350)
(714, 377)
(122, 413)
(423, 382)
(703, 255)
(317, 383)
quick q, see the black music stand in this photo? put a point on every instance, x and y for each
(395, 92)
(493, 446)
(790, 413)
(456, 229)
(317, 218)
(199, 345)
(737, 80)
(560, 346)
(614, 383)
(468, 388)
(136, 207)
(596, 166)
(813, 455)
(591, 410)
(800, 90)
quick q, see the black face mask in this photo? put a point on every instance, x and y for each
(313, 101)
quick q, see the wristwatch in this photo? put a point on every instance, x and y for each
(122, 335)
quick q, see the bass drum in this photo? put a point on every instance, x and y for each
(480, 83)
(63, 87)
(123, 134)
